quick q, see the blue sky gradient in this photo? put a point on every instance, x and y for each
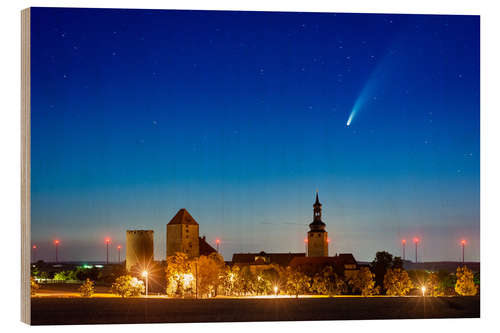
(239, 117)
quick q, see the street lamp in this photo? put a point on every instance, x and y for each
(56, 243)
(404, 248)
(119, 247)
(34, 253)
(145, 275)
(416, 240)
(463, 242)
(107, 249)
(217, 241)
(275, 290)
(423, 290)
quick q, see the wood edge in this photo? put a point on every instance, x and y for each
(25, 166)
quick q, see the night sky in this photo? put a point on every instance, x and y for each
(240, 117)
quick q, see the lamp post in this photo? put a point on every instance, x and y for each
(403, 242)
(34, 253)
(56, 243)
(423, 290)
(463, 242)
(416, 240)
(145, 275)
(217, 241)
(276, 291)
(107, 249)
(119, 247)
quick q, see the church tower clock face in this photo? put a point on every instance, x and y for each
(317, 236)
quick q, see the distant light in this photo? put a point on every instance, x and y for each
(99, 266)
(34, 246)
(416, 240)
(463, 242)
(108, 240)
(217, 241)
(403, 241)
(276, 290)
(305, 240)
(423, 290)
(119, 247)
(56, 242)
(144, 273)
(328, 240)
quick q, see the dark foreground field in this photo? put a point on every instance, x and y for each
(46, 311)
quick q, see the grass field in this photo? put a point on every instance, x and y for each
(53, 310)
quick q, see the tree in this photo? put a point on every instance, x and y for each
(87, 288)
(433, 285)
(210, 273)
(65, 275)
(127, 286)
(328, 283)
(230, 280)
(34, 286)
(397, 282)
(179, 274)
(363, 282)
(270, 279)
(380, 265)
(297, 282)
(465, 285)
(247, 281)
(397, 262)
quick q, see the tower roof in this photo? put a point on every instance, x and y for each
(317, 199)
(183, 217)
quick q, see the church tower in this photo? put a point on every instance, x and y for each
(317, 237)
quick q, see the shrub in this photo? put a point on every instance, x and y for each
(34, 286)
(87, 288)
(465, 282)
(127, 286)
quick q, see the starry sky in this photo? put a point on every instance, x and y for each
(240, 117)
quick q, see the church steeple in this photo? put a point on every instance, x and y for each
(317, 224)
(317, 209)
(317, 237)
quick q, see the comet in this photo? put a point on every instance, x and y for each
(353, 113)
(373, 86)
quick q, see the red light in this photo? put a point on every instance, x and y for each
(328, 240)
(217, 241)
(56, 242)
(108, 240)
(403, 241)
(34, 246)
(305, 240)
(463, 242)
(416, 240)
(119, 247)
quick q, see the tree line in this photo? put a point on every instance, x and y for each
(209, 276)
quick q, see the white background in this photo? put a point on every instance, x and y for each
(490, 166)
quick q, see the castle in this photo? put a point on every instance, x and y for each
(183, 236)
